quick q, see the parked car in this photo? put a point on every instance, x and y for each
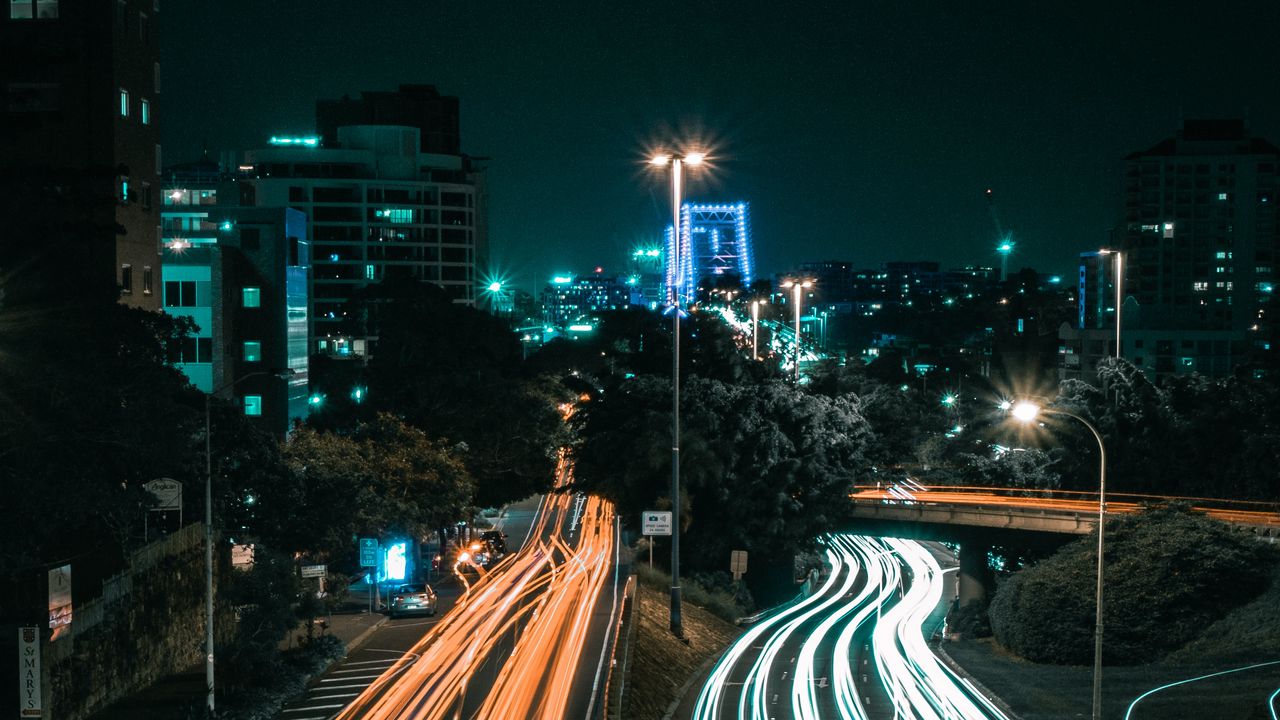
(413, 598)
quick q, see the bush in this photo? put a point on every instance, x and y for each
(715, 595)
(970, 621)
(1169, 573)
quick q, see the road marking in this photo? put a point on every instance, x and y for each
(363, 669)
(371, 662)
(342, 687)
(595, 685)
(334, 697)
(353, 677)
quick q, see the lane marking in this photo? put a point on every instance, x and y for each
(604, 647)
(353, 677)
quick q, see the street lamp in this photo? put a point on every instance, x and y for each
(677, 163)
(208, 526)
(796, 288)
(1026, 411)
(1118, 281)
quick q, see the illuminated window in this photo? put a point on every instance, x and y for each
(124, 103)
(1200, 286)
(251, 297)
(124, 190)
(253, 405)
(145, 111)
(20, 10)
(147, 280)
(1222, 196)
(368, 272)
(252, 351)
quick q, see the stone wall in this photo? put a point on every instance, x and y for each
(149, 623)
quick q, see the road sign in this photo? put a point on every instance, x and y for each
(242, 556)
(368, 552)
(314, 571)
(738, 563)
(656, 522)
(30, 701)
(167, 492)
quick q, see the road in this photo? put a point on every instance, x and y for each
(529, 638)
(1260, 514)
(854, 648)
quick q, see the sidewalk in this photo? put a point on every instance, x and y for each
(174, 697)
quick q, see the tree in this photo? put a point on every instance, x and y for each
(1168, 574)
(385, 477)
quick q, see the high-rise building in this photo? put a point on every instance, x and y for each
(388, 196)
(81, 83)
(240, 274)
(715, 247)
(1200, 242)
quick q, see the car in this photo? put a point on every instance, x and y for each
(497, 541)
(413, 598)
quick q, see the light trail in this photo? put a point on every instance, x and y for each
(885, 588)
(1129, 712)
(530, 616)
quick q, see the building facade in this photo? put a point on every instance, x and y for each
(81, 83)
(1199, 240)
(379, 203)
(240, 274)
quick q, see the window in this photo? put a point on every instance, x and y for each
(159, 162)
(27, 9)
(124, 190)
(251, 297)
(144, 110)
(253, 405)
(368, 272)
(252, 351)
(156, 82)
(126, 279)
(180, 293)
(196, 350)
(147, 280)
(124, 103)
(143, 27)
(146, 196)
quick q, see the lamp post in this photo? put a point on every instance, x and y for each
(797, 287)
(1025, 412)
(1118, 281)
(208, 527)
(755, 329)
(677, 162)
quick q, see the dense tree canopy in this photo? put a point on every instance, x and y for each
(386, 476)
(1168, 573)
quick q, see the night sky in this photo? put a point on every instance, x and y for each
(863, 131)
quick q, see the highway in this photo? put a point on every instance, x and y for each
(855, 648)
(1260, 514)
(528, 638)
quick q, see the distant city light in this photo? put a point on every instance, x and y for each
(495, 286)
(562, 279)
(581, 328)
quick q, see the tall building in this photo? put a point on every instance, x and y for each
(240, 274)
(1200, 242)
(81, 106)
(715, 246)
(390, 195)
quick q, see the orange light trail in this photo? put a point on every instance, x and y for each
(544, 594)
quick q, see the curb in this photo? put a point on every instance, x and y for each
(959, 670)
(355, 642)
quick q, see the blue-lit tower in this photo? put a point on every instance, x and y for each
(715, 242)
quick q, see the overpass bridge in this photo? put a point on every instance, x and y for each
(973, 515)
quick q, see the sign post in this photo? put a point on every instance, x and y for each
(30, 699)
(652, 523)
(369, 561)
(738, 564)
(167, 495)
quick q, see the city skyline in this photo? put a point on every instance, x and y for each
(851, 97)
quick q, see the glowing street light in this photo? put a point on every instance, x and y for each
(495, 286)
(677, 162)
(797, 287)
(1026, 411)
(1005, 248)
